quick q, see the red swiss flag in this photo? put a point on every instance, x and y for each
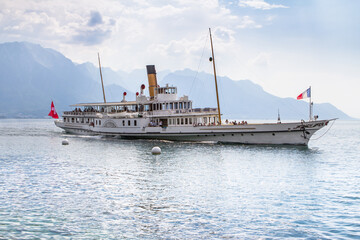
(53, 113)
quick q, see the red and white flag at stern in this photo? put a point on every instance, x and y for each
(52, 112)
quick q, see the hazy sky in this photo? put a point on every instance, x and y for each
(283, 45)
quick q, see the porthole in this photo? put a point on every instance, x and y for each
(273, 134)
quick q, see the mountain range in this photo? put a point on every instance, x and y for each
(32, 76)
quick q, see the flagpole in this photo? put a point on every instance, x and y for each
(310, 107)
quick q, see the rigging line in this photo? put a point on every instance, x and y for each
(324, 132)
(201, 58)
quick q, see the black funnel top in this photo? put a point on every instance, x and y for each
(150, 69)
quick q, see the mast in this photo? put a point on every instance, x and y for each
(216, 87)
(102, 83)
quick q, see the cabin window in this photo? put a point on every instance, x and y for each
(185, 105)
(182, 121)
(99, 122)
(171, 105)
(180, 105)
(123, 122)
(186, 121)
(189, 105)
(176, 105)
(190, 120)
(178, 121)
(135, 122)
(129, 123)
(167, 106)
(64, 119)
(96, 122)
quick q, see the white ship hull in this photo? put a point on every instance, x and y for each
(297, 133)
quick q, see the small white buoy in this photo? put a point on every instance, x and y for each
(155, 151)
(65, 142)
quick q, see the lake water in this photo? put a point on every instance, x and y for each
(115, 189)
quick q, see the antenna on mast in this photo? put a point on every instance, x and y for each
(102, 83)
(216, 87)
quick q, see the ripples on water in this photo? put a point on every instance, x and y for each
(110, 188)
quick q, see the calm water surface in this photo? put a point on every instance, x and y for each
(115, 189)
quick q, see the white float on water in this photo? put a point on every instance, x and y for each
(156, 151)
(65, 142)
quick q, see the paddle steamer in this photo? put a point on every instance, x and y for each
(163, 115)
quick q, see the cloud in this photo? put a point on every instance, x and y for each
(135, 30)
(259, 4)
(95, 19)
(91, 37)
(248, 22)
(95, 32)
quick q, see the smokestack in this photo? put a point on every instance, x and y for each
(151, 72)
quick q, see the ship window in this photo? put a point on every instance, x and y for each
(178, 121)
(135, 122)
(123, 122)
(186, 121)
(129, 123)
